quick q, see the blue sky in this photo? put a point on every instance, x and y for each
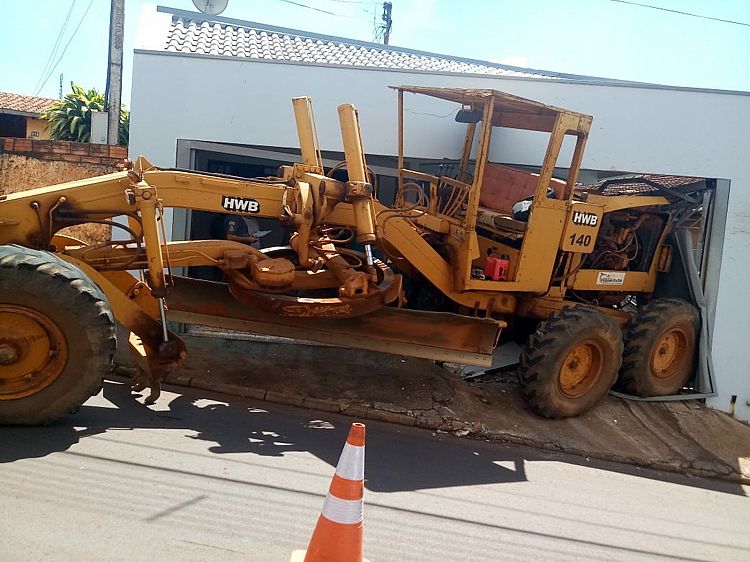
(591, 37)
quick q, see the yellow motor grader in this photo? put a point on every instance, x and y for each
(480, 249)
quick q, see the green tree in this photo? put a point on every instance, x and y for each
(70, 117)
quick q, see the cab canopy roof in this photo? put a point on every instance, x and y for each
(508, 110)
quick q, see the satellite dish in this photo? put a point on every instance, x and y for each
(211, 7)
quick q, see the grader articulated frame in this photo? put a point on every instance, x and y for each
(55, 343)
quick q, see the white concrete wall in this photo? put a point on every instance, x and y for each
(635, 129)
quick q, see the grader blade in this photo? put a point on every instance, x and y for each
(429, 335)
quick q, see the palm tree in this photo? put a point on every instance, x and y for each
(70, 117)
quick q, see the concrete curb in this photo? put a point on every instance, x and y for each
(438, 419)
(339, 406)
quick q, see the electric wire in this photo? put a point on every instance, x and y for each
(433, 114)
(75, 31)
(301, 5)
(55, 47)
(681, 12)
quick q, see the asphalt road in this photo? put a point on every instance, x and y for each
(208, 477)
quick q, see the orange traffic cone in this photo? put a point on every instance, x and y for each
(338, 534)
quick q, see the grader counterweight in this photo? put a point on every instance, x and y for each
(406, 278)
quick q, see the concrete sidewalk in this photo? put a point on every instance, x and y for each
(683, 437)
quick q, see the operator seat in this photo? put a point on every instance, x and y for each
(503, 188)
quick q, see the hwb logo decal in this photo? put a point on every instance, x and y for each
(240, 204)
(589, 219)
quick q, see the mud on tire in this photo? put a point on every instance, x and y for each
(660, 348)
(570, 362)
(59, 305)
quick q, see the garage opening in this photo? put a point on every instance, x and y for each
(699, 245)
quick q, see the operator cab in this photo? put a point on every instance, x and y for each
(485, 208)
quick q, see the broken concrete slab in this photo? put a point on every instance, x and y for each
(675, 436)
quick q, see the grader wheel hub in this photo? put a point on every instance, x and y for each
(9, 353)
(669, 353)
(581, 369)
(33, 351)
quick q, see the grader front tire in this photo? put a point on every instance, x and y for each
(57, 337)
(660, 345)
(570, 362)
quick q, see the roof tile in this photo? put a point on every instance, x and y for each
(24, 104)
(193, 36)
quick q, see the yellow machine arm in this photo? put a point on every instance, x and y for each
(323, 213)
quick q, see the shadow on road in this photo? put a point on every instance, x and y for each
(398, 458)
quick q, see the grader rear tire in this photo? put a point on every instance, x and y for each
(57, 337)
(570, 362)
(660, 345)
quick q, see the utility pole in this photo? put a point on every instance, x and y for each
(60, 93)
(387, 8)
(114, 69)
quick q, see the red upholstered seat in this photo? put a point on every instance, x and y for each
(503, 187)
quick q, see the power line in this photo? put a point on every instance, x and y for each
(56, 45)
(301, 5)
(681, 13)
(83, 17)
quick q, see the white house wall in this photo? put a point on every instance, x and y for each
(638, 129)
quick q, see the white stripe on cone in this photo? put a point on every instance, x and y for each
(351, 463)
(342, 511)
